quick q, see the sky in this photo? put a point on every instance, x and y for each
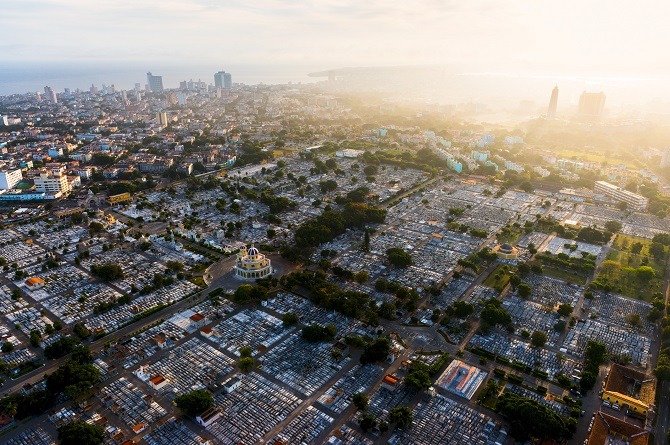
(614, 45)
(571, 36)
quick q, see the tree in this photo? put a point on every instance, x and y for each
(531, 419)
(249, 292)
(76, 377)
(107, 272)
(367, 422)
(387, 310)
(538, 338)
(245, 364)
(613, 226)
(35, 337)
(524, 269)
(526, 186)
(60, 347)
(175, 266)
(418, 379)
(376, 351)
(657, 250)
(493, 313)
(662, 238)
(195, 402)
(289, 319)
(634, 320)
(81, 331)
(360, 401)
(514, 280)
(564, 310)
(398, 257)
(315, 333)
(402, 416)
(636, 248)
(80, 433)
(645, 273)
(7, 347)
(463, 309)
(524, 290)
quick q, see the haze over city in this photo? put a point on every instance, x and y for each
(586, 44)
(294, 222)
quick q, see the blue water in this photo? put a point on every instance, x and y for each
(19, 78)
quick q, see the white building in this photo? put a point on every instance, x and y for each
(49, 183)
(10, 178)
(208, 417)
(633, 200)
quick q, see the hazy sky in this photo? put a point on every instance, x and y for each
(609, 37)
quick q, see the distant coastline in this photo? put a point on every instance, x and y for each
(18, 78)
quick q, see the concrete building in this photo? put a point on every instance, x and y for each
(161, 118)
(608, 429)
(50, 95)
(34, 283)
(553, 103)
(461, 379)
(158, 382)
(232, 384)
(591, 105)
(10, 178)
(52, 183)
(665, 158)
(251, 264)
(208, 417)
(155, 83)
(611, 191)
(480, 156)
(223, 80)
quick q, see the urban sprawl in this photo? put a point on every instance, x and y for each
(285, 264)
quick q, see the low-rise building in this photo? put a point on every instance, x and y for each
(208, 417)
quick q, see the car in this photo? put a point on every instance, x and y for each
(606, 403)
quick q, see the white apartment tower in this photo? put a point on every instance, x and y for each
(10, 178)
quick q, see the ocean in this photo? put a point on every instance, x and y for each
(20, 78)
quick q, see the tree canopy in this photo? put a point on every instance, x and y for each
(195, 402)
(530, 419)
(398, 257)
(80, 433)
(107, 271)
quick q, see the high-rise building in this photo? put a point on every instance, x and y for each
(161, 118)
(665, 158)
(591, 105)
(553, 103)
(51, 95)
(155, 82)
(223, 80)
(9, 178)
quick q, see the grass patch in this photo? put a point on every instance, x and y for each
(619, 272)
(564, 275)
(198, 281)
(510, 234)
(499, 278)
